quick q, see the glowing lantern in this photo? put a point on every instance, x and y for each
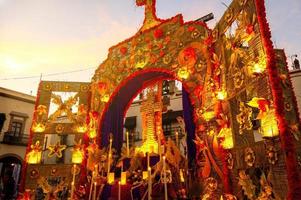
(38, 127)
(105, 98)
(183, 73)
(111, 178)
(221, 95)
(92, 133)
(226, 135)
(123, 178)
(269, 126)
(78, 153)
(208, 115)
(144, 175)
(35, 155)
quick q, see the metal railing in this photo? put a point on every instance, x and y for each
(10, 138)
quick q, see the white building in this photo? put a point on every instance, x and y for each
(16, 112)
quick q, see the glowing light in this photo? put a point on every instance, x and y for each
(148, 146)
(77, 156)
(105, 98)
(182, 176)
(144, 175)
(34, 157)
(111, 178)
(226, 138)
(258, 68)
(208, 115)
(82, 128)
(269, 125)
(92, 133)
(183, 73)
(221, 95)
(38, 127)
(123, 178)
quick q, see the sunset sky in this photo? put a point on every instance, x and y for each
(50, 37)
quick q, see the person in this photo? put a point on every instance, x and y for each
(8, 186)
(296, 63)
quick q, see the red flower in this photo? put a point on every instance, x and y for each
(189, 53)
(263, 104)
(123, 50)
(198, 90)
(158, 33)
(95, 114)
(191, 28)
(162, 53)
(208, 41)
(250, 29)
(167, 39)
(101, 87)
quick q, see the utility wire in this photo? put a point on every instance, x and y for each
(45, 75)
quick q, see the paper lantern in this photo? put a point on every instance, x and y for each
(111, 178)
(77, 156)
(34, 157)
(35, 154)
(123, 178)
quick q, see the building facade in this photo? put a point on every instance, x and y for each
(16, 111)
(296, 81)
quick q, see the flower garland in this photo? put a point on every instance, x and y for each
(294, 186)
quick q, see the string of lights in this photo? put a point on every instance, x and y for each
(46, 75)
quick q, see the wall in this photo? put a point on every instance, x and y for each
(296, 81)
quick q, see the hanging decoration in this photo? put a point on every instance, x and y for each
(56, 150)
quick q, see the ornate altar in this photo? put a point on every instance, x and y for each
(242, 131)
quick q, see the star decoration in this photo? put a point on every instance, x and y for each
(56, 150)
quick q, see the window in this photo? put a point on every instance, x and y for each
(16, 128)
(17, 123)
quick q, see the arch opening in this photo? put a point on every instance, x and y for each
(112, 120)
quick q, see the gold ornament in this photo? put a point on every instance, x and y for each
(244, 118)
(56, 150)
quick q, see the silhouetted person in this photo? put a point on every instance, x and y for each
(296, 63)
(8, 186)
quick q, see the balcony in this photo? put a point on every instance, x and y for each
(10, 138)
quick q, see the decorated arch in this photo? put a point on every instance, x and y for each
(244, 120)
